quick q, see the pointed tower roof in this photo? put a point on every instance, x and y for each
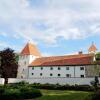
(92, 48)
(30, 49)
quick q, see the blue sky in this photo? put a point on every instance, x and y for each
(57, 27)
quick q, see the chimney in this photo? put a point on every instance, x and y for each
(80, 52)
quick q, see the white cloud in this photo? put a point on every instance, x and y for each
(70, 19)
(3, 34)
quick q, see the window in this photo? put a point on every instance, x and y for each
(32, 73)
(59, 75)
(51, 68)
(25, 63)
(51, 74)
(22, 57)
(59, 68)
(67, 68)
(68, 75)
(26, 56)
(21, 76)
(32, 68)
(99, 74)
(81, 68)
(40, 74)
(82, 76)
(41, 68)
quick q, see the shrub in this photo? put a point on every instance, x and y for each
(12, 94)
(21, 92)
(28, 92)
(63, 87)
(96, 95)
(1, 90)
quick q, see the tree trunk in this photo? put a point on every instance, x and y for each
(6, 81)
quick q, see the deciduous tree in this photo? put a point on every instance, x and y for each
(8, 65)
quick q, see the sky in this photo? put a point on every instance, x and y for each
(56, 27)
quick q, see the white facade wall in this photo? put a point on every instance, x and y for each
(23, 63)
(79, 72)
(62, 81)
(74, 71)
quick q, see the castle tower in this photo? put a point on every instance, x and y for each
(92, 48)
(28, 54)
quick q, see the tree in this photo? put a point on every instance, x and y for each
(8, 64)
(95, 83)
(98, 56)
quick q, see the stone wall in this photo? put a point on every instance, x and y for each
(62, 81)
(1, 80)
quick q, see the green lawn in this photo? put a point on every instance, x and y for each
(63, 95)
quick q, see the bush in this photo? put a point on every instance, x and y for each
(96, 95)
(11, 94)
(28, 92)
(63, 87)
(21, 92)
(1, 90)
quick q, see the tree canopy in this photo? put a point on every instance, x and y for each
(98, 56)
(8, 64)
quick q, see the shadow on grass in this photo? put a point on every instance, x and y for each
(63, 95)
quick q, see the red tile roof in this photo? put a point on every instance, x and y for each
(30, 49)
(80, 59)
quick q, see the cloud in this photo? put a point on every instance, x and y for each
(3, 34)
(47, 20)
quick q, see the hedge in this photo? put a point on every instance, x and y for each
(9, 92)
(63, 87)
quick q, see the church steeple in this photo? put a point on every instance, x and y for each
(92, 48)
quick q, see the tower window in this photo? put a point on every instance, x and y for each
(25, 62)
(32, 68)
(59, 68)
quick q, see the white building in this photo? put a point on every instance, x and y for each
(32, 65)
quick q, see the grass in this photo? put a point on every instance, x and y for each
(63, 95)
